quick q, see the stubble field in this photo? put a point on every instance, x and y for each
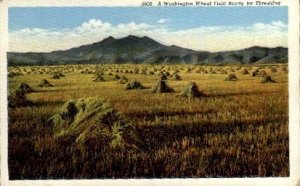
(239, 128)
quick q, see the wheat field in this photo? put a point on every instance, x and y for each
(238, 129)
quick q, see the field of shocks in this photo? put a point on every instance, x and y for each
(239, 128)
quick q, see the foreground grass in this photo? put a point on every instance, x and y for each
(239, 129)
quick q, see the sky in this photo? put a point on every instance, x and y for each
(41, 29)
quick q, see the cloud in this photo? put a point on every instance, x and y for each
(93, 25)
(209, 38)
(161, 21)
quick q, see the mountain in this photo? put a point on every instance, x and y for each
(133, 49)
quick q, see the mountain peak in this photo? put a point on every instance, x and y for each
(145, 38)
(138, 38)
(110, 38)
(131, 37)
(140, 43)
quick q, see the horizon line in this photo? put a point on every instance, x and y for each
(140, 37)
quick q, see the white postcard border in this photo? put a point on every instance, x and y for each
(294, 113)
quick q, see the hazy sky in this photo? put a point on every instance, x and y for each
(199, 28)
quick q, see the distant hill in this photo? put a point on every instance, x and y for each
(139, 50)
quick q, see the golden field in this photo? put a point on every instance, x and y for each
(239, 128)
